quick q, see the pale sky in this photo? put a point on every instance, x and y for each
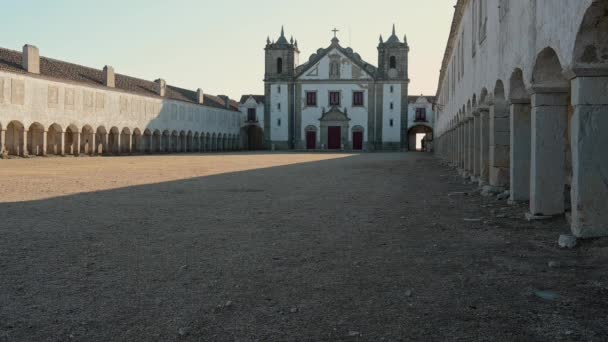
(219, 45)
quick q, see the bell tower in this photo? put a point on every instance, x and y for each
(393, 57)
(281, 60)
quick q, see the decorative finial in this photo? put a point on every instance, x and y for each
(296, 43)
(394, 30)
(381, 41)
(291, 40)
(405, 38)
(268, 40)
(282, 31)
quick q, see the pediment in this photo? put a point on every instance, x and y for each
(334, 115)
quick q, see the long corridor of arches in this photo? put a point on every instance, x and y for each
(20, 140)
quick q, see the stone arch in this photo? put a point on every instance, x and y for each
(548, 70)
(101, 140)
(591, 45)
(126, 140)
(413, 134)
(72, 135)
(182, 142)
(174, 141)
(15, 142)
(87, 135)
(196, 145)
(147, 141)
(114, 140)
(137, 145)
(517, 88)
(157, 146)
(483, 96)
(189, 142)
(499, 139)
(213, 142)
(207, 142)
(550, 151)
(166, 141)
(35, 139)
(53, 139)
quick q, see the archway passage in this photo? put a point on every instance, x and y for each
(15, 143)
(72, 146)
(87, 140)
(419, 138)
(253, 137)
(147, 141)
(53, 138)
(101, 141)
(35, 139)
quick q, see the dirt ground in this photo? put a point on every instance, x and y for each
(282, 247)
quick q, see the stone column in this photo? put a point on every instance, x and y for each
(484, 146)
(62, 144)
(589, 143)
(151, 143)
(499, 146)
(547, 172)
(520, 149)
(476, 141)
(118, 147)
(106, 144)
(460, 146)
(2, 141)
(77, 149)
(470, 135)
(23, 146)
(130, 144)
(465, 148)
(44, 142)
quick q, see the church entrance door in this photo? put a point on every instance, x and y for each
(357, 141)
(334, 137)
(311, 140)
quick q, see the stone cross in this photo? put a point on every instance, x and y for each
(335, 31)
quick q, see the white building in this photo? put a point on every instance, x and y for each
(522, 103)
(50, 107)
(336, 100)
(420, 122)
(252, 122)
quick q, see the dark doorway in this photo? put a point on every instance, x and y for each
(311, 140)
(334, 137)
(357, 141)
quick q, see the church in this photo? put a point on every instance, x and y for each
(335, 100)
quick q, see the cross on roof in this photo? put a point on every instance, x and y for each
(335, 31)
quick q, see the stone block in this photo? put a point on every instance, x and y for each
(590, 91)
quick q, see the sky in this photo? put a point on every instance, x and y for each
(219, 45)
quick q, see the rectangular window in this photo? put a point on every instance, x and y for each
(311, 98)
(392, 89)
(421, 114)
(391, 122)
(279, 106)
(251, 115)
(392, 106)
(358, 99)
(279, 89)
(334, 98)
(279, 122)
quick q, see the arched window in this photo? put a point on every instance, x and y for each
(279, 65)
(393, 63)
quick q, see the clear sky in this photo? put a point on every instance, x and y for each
(219, 45)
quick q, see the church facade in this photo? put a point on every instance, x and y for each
(335, 100)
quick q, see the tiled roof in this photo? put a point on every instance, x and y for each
(11, 61)
(257, 98)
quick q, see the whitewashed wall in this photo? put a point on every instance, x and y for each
(30, 99)
(279, 132)
(391, 134)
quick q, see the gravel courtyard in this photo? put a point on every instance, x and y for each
(282, 247)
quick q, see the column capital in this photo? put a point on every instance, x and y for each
(576, 72)
(523, 101)
(549, 88)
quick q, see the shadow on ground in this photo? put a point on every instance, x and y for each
(365, 248)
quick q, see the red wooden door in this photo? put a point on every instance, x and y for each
(357, 141)
(334, 138)
(311, 140)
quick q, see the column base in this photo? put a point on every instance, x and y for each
(531, 217)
